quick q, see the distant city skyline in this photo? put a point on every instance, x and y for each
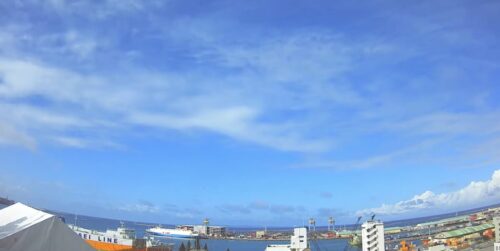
(260, 113)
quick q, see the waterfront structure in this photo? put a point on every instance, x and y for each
(372, 236)
(217, 231)
(464, 219)
(202, 230)
(298, 242)
(462, 233)
(23, 228)
(496, 222)
(331, 224)
(260, 234)
(312, 225)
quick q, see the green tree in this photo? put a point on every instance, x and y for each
(182, 247)
(197, 245)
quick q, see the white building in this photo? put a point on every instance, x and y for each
(216, 231)
(201, 229)
(205, 230)
(298, 242)
(372, 236)
(496, 222)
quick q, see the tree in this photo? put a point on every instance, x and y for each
(182, 247)
(197, 245)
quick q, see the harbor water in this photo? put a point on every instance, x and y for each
(102, 224)
(257, 245)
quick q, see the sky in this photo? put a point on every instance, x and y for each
(250, 113)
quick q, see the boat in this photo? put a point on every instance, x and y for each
(174, 233)
(121, 239)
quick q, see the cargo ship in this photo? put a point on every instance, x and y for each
(172, 233)
(121, 239)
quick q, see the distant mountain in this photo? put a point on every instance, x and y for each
(6, 201)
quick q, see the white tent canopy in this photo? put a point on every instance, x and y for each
(23, 228)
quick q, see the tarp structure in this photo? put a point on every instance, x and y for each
(23, 228)
(465, 231)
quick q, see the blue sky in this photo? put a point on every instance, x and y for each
(250, 112)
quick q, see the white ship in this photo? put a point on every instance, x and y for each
(172, 233)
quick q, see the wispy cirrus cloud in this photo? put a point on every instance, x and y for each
(94, 92)
(11, 136)
(259, 206)
(140, 207)
(302, 89)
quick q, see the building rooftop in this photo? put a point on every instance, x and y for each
(464, 231)
(447, 220)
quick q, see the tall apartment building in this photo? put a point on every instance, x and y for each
(372, 236)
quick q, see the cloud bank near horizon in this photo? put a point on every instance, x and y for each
(476, 194)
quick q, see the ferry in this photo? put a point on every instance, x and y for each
(172, 233)
(121, 239)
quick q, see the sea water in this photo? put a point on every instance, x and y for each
(101, 224)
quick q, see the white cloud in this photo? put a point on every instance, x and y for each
(477, 193)
(140, 207)
(86, 143)
(11, 136)
(451, 123)
(296, 90)
(80, 45)
(236, 122)
(73, 101)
